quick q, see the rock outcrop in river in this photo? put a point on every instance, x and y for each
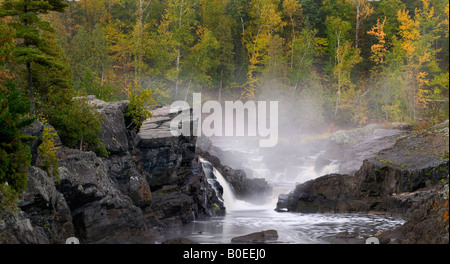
(409, 177)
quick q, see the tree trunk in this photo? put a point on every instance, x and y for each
(293, 40)
(81, 143)
(358, 10)
(221, 84)
(178, 51)
(30, 88)
(138, 55)
(338, 98)
(178, 70)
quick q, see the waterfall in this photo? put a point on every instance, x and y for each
(229, 200)
(226, 194)
(219, 184)
(208, 169)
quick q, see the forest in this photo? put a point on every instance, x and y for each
(331, 63)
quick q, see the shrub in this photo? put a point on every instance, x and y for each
(8, 197)
(78, 124)
(139, 106)
(47, 153)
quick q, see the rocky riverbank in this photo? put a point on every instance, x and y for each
(408, 177)
(151, 180)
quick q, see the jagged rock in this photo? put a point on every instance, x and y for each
(329, 193)
(113, 132)
(162, 155)
(427, 218)
(128, 178)
(46, 207)
(42, 216)
(16, 228)
(102, 200)
(257, 237)
(195, 199)
(100, 211)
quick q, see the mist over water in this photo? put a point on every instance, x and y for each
(244, 217)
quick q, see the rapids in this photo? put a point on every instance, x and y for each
(243, 217)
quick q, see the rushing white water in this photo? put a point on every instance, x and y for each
(228, 197)
(243, 217)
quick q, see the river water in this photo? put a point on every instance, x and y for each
(243, 217)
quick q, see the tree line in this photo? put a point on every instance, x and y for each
(349, 62)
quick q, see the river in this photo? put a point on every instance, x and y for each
(243, 217)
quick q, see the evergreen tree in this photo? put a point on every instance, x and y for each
(32, 49)
(15, 155)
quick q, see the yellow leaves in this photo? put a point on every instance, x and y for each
(267, 17)
(47, 152)
(409, 30)
(445, 21)
(427, 12)
(422, 98)
(378, 49)
(366, 10)
(291, 7)
(254, 59)
(321, 45)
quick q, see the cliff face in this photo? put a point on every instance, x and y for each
(405, 178)
(150, 179)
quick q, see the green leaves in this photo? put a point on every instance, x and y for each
(139, 106)
(15, 155)
(89, 52)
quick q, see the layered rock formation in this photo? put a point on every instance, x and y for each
(150, 180)
(410, 174)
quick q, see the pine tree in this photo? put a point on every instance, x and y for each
(15, 155)
(31, 49)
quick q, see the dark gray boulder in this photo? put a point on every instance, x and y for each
(257, 237)
(42, 215)
(128, 178)
(114, 133)
(46, 207)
